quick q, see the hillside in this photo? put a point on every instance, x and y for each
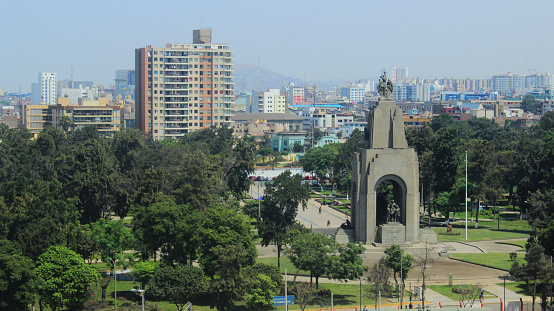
(249, 77)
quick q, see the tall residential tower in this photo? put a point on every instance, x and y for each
(183, 87)
(45, 91)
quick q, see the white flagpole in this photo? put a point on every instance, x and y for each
(466, 195)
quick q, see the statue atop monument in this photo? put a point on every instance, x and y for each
(393, 212)
(385, 86)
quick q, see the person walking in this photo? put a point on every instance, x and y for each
(328, 223)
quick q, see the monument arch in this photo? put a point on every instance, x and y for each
(386, 157)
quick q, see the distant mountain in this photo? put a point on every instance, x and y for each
(253, 78)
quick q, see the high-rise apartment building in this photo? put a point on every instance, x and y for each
(45, 91)
(397, 75)
(183, 87)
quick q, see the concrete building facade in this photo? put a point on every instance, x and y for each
(183, 87)
(45, 91)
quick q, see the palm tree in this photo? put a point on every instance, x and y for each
(65, 123)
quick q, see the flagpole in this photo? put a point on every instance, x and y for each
(466, 195)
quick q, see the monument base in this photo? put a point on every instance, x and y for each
(428, 235)
(386, 233)
(345, 236)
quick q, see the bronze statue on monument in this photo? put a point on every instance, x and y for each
(385, 86)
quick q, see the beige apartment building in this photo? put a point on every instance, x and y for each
(183, 87)
(107, 119)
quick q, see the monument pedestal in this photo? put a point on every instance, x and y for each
(386, 233)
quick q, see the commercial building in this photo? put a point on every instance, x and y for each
(297, 95)
(183, 87)
(45, 91)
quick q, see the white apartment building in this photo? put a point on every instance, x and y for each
(181, 88)
(413, 92)
(510, 81)
(272, 101)
(45, 91)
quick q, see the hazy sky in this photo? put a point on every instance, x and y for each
(315, 40)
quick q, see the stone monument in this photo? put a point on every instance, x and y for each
(386, 157)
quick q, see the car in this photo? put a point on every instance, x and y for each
(274, 177)
(308, 177)
(260, 178)
(252, 177)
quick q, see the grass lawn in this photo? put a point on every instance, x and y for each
(497, 260)
(446, 290)
(520, 243)
(518, 287)
(487, 231)
(285, 263)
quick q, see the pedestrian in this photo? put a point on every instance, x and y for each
(320, 209)
(328, 223)
(365, 308)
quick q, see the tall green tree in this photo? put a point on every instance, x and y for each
(280, 206)
(529, 104)
(177, 284)
(314, 253)
(219, 227)
(393, 261)
(18, 281)
(65, 278)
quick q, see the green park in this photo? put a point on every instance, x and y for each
(176, 221)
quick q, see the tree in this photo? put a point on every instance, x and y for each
(280, 206)
(320, 160)
(165, 228)
(393, 261)
(442, 121)
(219, 228)
(177, 284)
(379, 278)
(314, 135)
(231, 284)
(424, 262)
(348, 265)
(260, 296)
(18, 280)
(536, 270)
(529, 104)
(297, 147)
(445, 153)
(304, 293)
(65, 278)
(243, 165)
(271, 271)
(110, 239)
(198, 180)
(314, 253)
(143, 271)
(65, 123)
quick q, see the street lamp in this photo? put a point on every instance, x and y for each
(401, 279)
(139, 292)
(114, 284)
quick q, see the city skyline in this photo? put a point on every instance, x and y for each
(308, 40)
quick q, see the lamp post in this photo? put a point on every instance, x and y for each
(114, 284)
(401, 279)
(504, 301)
(360, 293)
(140, 292)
